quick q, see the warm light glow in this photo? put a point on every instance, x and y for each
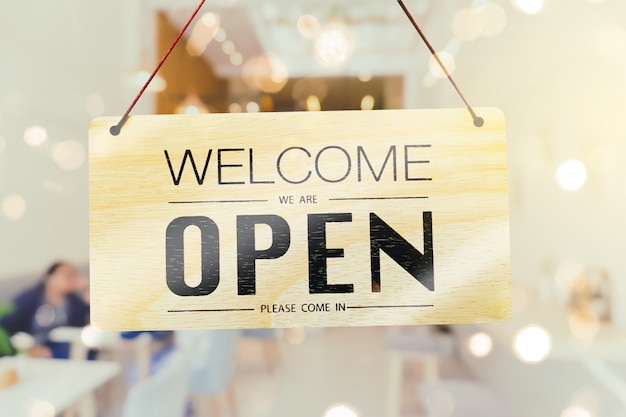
(35, 136)
(532, 344)
(308, 26)
(220, 35)
(266, 73)
(192, 105)
(136, 79)
(94, 105)
(295, 336)
(235, 108)
(69, 155)
(529, 6)
(571, 175)
(334, 45)
(236, 59)
(203, 33)
(367, 102)
(22, 341)
(576, 411)
(448, 62)
(313, 103)
(91, 337)
(492, 19)
(14, 207)
(365, 77)
(252, 107)
(228, 47)
(340, 411)
(42, 409)
(480, 345)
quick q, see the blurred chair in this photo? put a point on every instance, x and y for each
(268, 341)
(212, 372)
(406, 344)
(165, 394)
(461, 398)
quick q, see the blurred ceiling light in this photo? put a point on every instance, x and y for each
(236, 59)
(313, 103)
(94, 105)
(35, 136)
(41, 408)
(492, 18)
(308, 26)
(266, 73)
(365, 77)
(203, 33)
(69, 155)
(576, 411)
(529, 6)
(137, 78)
(234, 108)
(252, 107)
(91, 337)
(480, 345)
(220, 35)
(295, 336)
(228, 47)
(368, 102)
(192, 105)
(571, 175)
(448, 61)
(14, 207)
(3, 144)
(334, 45)
(340, 411)
(532, 344)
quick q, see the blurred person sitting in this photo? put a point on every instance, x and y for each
(54, 302)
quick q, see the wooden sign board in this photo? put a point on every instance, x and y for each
(299, 219)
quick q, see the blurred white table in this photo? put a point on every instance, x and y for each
(47, 387)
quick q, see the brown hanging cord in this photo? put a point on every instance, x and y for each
(116, 129)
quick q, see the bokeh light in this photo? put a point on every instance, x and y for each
(576, 411)
(448, 61)
(136, 79)
(571, 175)
(22, 341)
(266, 73)
(480, 345)
(235, 108)
(313, 103)
(94, 105)
(45, 315)
(91, 337)
(308, 26)
(203, 33)
(529, 6)
(192, 104)
(334, 45)
(69, 155)
(253, 107)
(236, 59)
(532, 344)
(42, 409)
(14, 207)
(368, 102)
(35, 136)
(340, 411)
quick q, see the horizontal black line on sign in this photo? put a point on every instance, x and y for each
(221, 310)
(409, 306)
(218, 201)
(378, 198)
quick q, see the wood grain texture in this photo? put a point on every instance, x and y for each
(461, 179)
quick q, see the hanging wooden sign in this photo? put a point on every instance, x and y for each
(299, 219)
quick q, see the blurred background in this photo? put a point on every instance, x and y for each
(556, 68)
